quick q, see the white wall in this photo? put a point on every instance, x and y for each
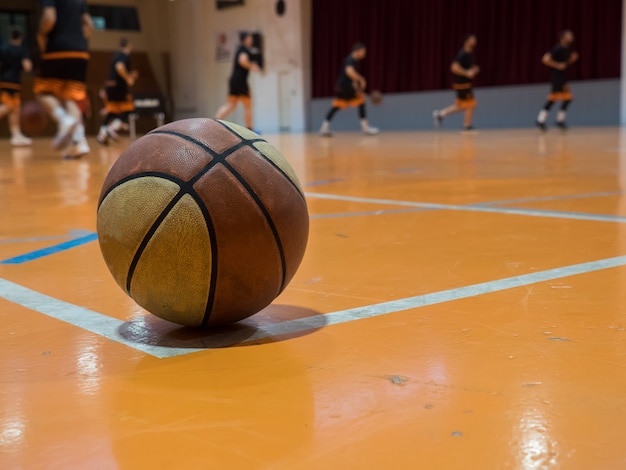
(200, 82)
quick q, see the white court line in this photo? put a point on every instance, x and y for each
(475, 208)
(109, 327)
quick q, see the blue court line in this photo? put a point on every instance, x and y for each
(358, 214)
(51, 249)
(477, 208)
(108, 327)
(70, 234)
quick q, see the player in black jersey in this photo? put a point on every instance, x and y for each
(463, 70)
(13, 60)
(61, 86)
(238, 89)
(119, 101)
(559, 58)
(350, 91)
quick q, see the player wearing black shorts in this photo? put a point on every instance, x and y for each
(559, 58)
(119, 101)
(61, 87)
(13, 59)
(463, 70)
(350, 91)
(238, 89)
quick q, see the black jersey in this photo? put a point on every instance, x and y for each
(344, 83)
(11, 58)
(561, 55)
(115, 79)
(465, 60)
(67, 34)
(239, 73)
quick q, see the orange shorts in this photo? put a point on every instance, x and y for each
(10, 98)
(560, 93)
(62, 89)
(120, 107)
(343, 104)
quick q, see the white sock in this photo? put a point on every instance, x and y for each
(58, 113)
(16, 132)
(543, 114)
(116, 125)
(364, 125)
(325, 126)
(560, 117)
(79, 133)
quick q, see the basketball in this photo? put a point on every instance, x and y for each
(376, 97)
(202, 222)
(33, 118)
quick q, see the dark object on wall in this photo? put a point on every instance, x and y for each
(280, 7)
(221, 4)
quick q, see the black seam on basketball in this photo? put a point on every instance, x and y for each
(126, 179)
(213, 237)
(270, 222)
(266, 158)
(217, 157)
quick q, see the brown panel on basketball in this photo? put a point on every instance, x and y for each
(249, 268)
(281, 198)
(199, 226)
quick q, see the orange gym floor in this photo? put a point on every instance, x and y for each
(461, 305)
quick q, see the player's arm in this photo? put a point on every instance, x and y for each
(457, 69)
(548, 61)
(87, 25)
(122, 71)
(356, 77)
(246, 63)
(572, 58)
(46, 24)
(27, 65)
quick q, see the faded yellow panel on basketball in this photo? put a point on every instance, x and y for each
(125, 216)
(175, 260)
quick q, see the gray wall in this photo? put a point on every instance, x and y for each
(596, 103)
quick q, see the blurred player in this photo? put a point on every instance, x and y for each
(119, 102)
(13, 59)
(64, 29)
(350, 91)
(464, 71)
(238, 89)
(559, 58)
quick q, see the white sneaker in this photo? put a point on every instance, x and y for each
(20, 140)
(371, 130)
(103, 136)
(77, 150)
(437, 119)
(67, 125)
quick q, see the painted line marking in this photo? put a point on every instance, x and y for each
(550, 198)
(70, 234)
(379, 212)
(95, 322)
(477, 208)
(51, 249)
(108, 327)
(323, 182)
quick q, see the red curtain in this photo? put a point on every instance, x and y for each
(411, 43)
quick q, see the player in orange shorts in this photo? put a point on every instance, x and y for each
(464, 71)
(13, 59)
(238, 89)
(350, 91)
(61, 85)
(559, 58)
(119, 102)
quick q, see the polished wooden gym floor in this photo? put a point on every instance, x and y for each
(461, 305)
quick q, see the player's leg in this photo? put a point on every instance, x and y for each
(555, 95)
(78, 146)
(17, 138)
(227, 108)
(47, 89)
(365, 127)
(247, 111)
(440, 114)
(566, 98)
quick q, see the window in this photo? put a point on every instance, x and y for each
(118, 18)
